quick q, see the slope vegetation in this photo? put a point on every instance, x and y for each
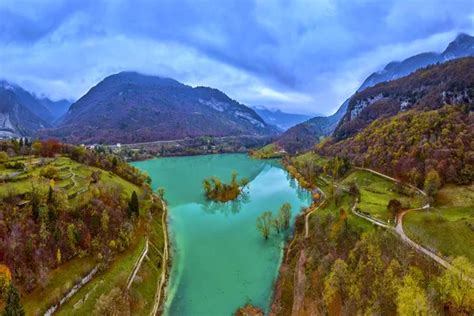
(129, 107)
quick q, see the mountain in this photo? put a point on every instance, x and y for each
(56, 108)
(280, 119)
(409, 126)
(427, 88)
(21, 114)
(313, 130)
(305, 135)
(129, 107)
(462, 46)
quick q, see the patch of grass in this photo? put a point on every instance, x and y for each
(448, 227)
(456, 195)
(270, 151)
(310, 156)
(144, 287)
(449, 230)
(376, 192)
(83, 302)
(60, 280)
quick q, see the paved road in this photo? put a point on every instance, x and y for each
(418, 247)
(399, 226)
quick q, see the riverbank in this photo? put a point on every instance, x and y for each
(188, 147)
(354, 231)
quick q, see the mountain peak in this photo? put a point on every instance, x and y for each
(462, 46)
(462, 37)
(134, 77)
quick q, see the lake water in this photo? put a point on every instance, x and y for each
(220, 260)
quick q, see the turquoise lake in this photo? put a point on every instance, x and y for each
(219, 260)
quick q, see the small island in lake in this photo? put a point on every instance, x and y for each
(216, 190)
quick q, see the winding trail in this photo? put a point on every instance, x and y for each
(399, 222)
(398, 229)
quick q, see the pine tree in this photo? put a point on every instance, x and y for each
(133, 206)
(50, 195)
(13, 306)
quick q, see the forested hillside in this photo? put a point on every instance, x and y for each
(411, 144)
(129, 107)
(347, 257)
(64, 210)
(305, 135)
(428, 88)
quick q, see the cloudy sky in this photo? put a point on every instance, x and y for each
(302, 56)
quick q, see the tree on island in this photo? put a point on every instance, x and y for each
(216, 190)
(264, 224)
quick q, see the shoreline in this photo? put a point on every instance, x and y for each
(195, 155)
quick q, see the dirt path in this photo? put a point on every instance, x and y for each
(306, 218)
(137, 265)
(162, 281)
(299, 287)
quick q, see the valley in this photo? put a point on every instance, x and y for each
(124, 191)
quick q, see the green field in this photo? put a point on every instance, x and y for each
(269, 151)
(83, 302)
(449, 226)
(60, 280)
(144, 287)
(377, 191)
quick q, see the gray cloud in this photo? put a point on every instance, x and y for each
(305, 56)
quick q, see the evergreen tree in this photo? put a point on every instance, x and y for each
(50, 195)
(13, 306)
(133, 206)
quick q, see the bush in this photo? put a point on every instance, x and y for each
(50, 172)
